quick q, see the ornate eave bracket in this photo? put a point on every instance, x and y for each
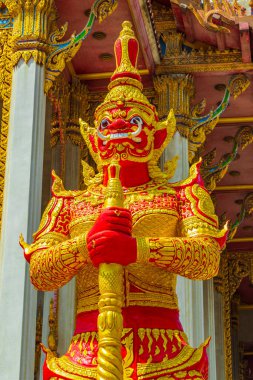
(176, 91)
(240, 266)
(63, 52)
(213, 173)
(205, 18)
(246, 210)
(234, 267)
(203, 125)
(37, 37)
(212, 15)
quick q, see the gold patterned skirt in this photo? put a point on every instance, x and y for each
(154, 346)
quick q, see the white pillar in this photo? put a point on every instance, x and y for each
(195, 298)
(210, 328)
(66, 315)
(177, 147)
(72, 167)
(197, 312)
(219, 335)
(67, 294)
(45, 330)
(21, 213)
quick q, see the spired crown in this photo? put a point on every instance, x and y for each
(125, 87)
(126, 49)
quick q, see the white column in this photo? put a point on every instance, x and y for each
(178, 147)
(210, 328)
(197, 312)
(195, 298)
(219, 335)
(66, 315)
(45, 330)
(21, 213)
(72, 167)
(67, 294)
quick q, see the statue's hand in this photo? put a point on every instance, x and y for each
(110, 240)
(113, 219)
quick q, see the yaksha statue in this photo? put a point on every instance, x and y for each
(126, 238)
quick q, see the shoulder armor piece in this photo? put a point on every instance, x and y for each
(201, 203)
(54, 221)
(194, 198)
(194, 177)
(197, 210)
(49, 217)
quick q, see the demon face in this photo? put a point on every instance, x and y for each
(124, 134)
(127, 128)
(128, 134)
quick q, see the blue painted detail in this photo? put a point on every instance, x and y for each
(6, 23)
(163, 46)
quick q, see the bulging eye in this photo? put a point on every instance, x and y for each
(136, 120)
(104, 123)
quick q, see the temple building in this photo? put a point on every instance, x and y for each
(57, 58)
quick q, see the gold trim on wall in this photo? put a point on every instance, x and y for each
(241, 240)
(6, 43)
(105, 75)
(235, 120)
(197, 68)
(234, 266)
(234, 188)
(245, 307)
(94, 76)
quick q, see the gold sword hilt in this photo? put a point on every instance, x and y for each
(110, 279)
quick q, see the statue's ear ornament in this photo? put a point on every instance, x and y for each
(170, 167)
(90, 138)
(85, 129)
(89, 175)
(163, 134)
(167, 127)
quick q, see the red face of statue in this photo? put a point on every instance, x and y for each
(127, 128)
(125, 135)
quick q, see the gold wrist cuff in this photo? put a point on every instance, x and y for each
(143, 251)
(82, 247)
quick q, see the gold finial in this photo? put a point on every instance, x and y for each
(127, 29)
(126, 50)
(114, 196)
